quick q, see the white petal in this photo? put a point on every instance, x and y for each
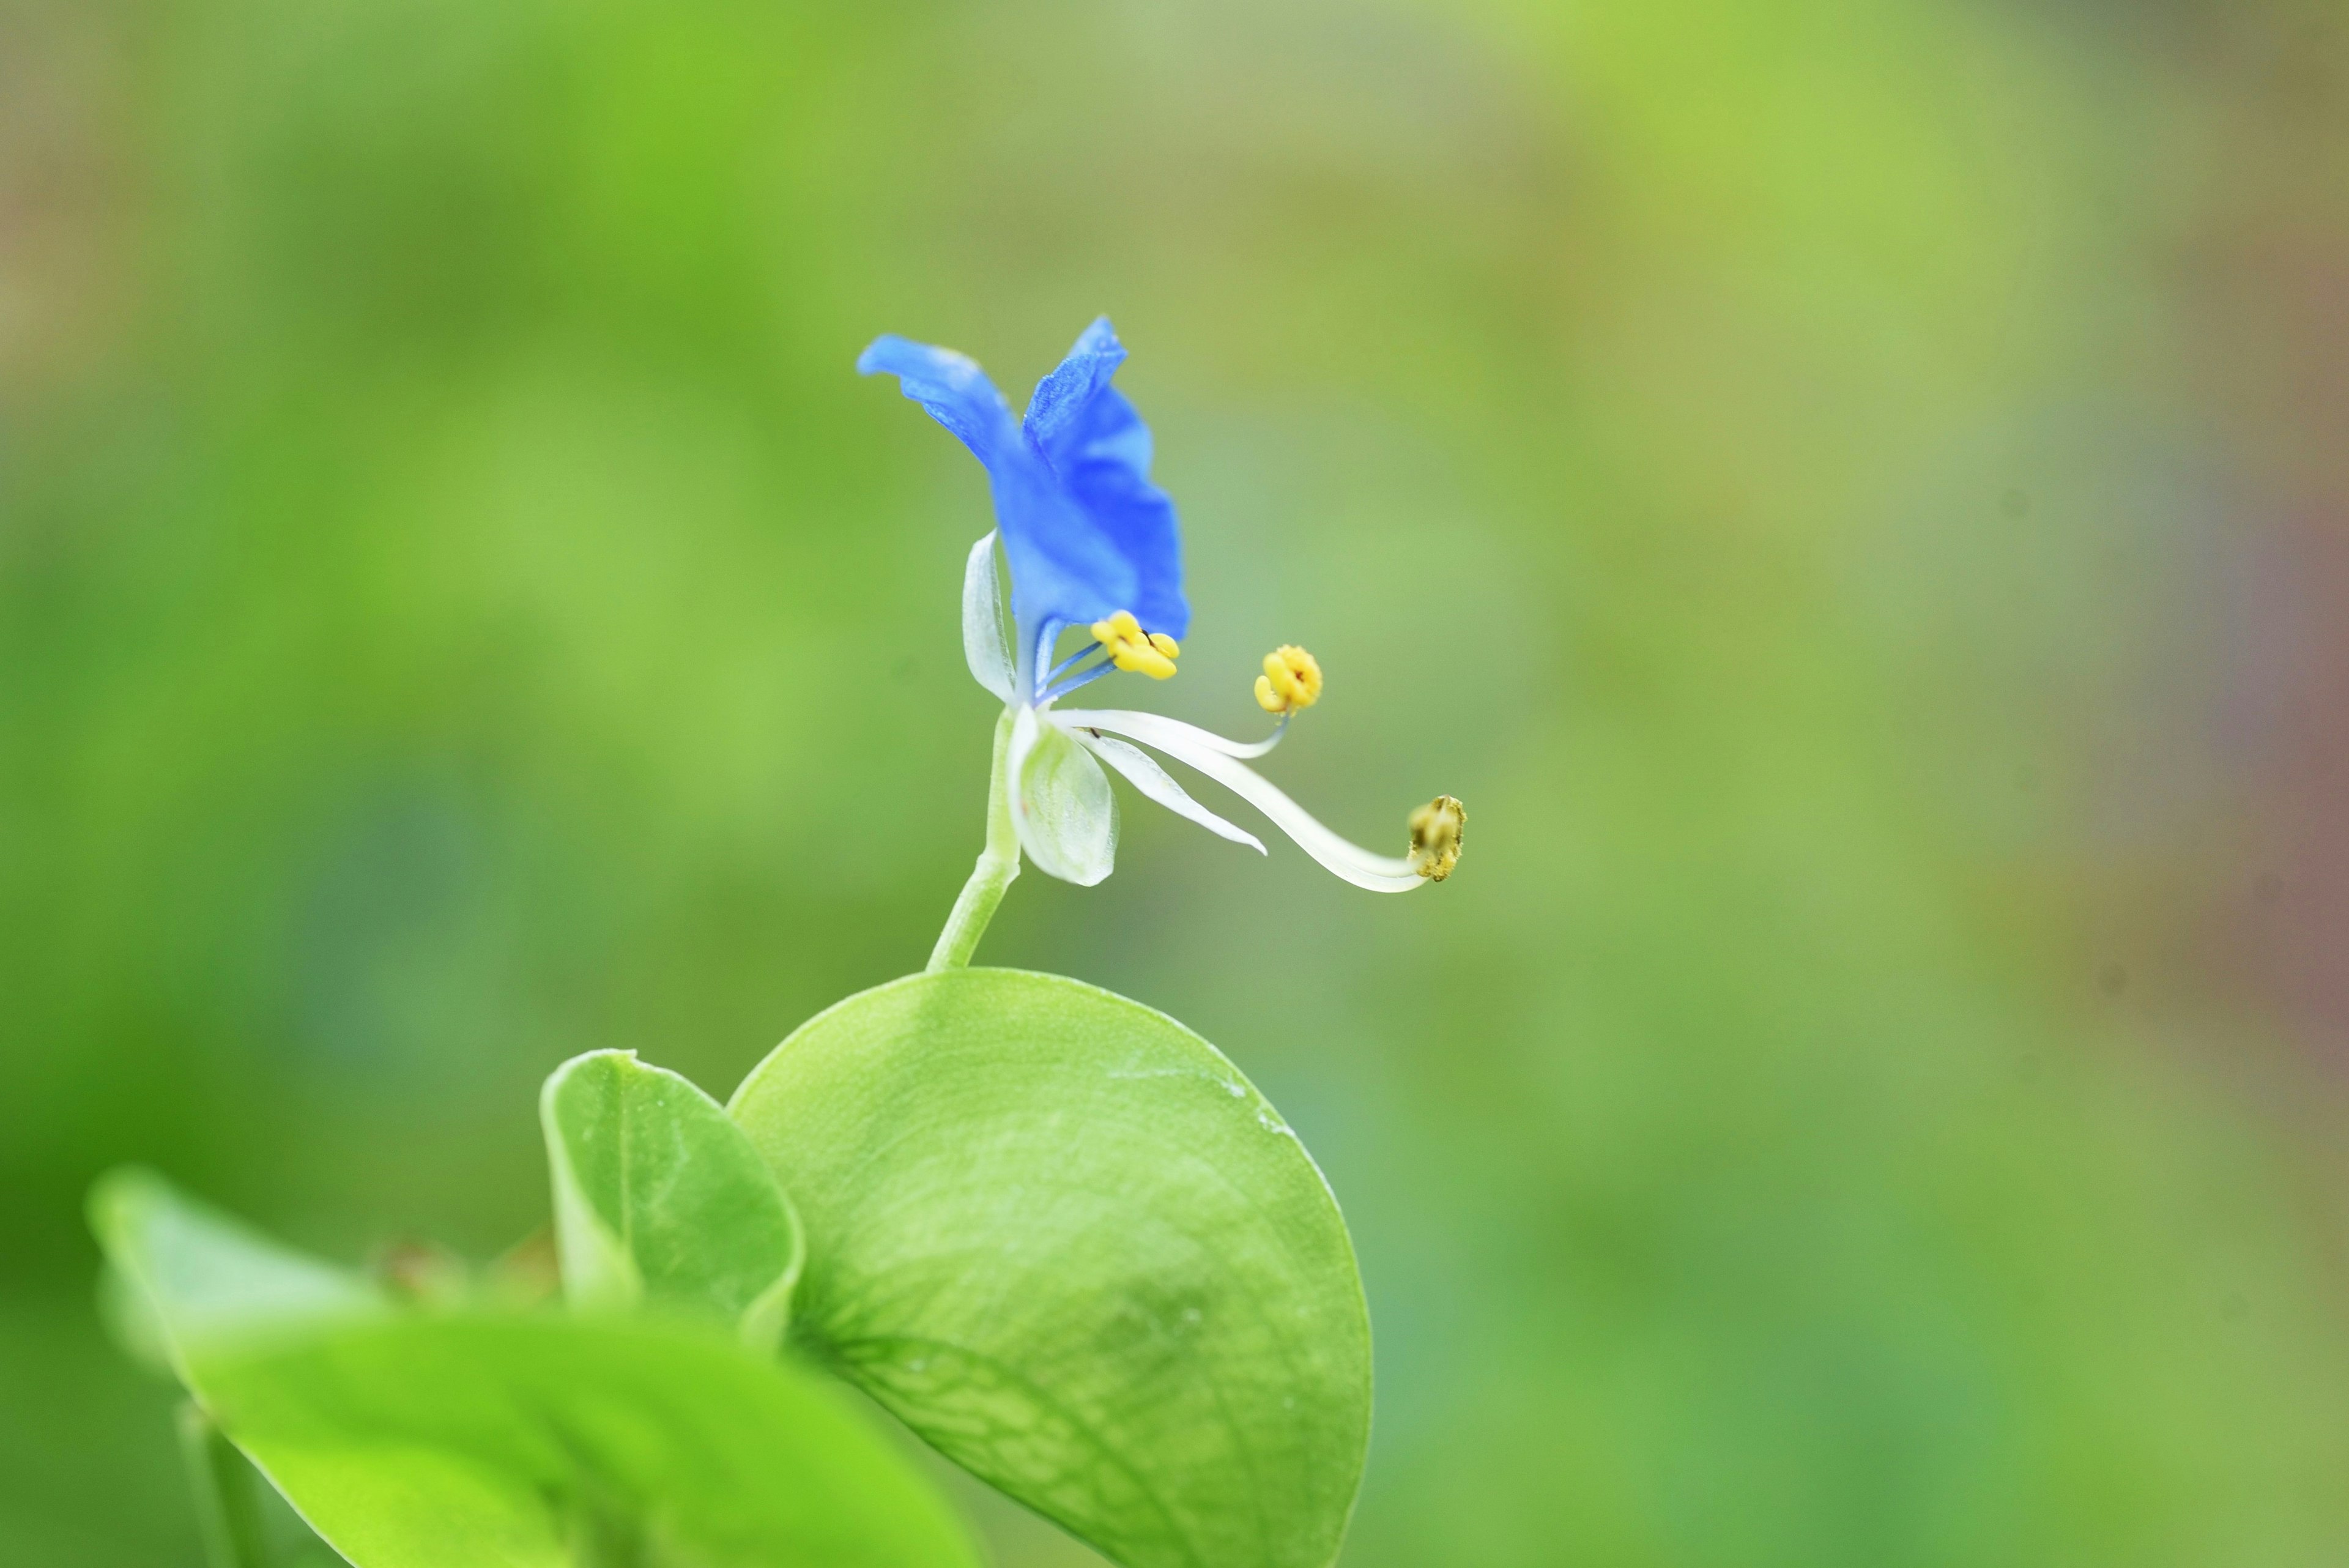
(985, 642)
(1061, 803)
(1192, 745)
(1142, 772)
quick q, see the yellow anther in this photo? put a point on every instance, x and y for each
(1438, 831)
(1130, 647)
(1292, 679)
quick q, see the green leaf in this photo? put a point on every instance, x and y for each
(181, 1273)
(1061, 1238)
(445, 1442)
(472, 1439)
(659, 1197)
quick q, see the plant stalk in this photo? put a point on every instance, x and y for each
(999, 863)
(228, 1510)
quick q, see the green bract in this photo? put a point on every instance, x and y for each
(658, 1196)
(1062, 1238)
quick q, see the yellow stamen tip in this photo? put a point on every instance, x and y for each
(1291, 680)
(1132, 648)
(1438, 832)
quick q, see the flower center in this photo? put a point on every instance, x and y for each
(1438, 829)
(1292, 679)
(1130, 647)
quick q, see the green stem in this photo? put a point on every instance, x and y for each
(228, 1510)
(999, 863)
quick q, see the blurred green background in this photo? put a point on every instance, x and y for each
(1852, 496)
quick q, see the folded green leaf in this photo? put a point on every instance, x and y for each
(1061, 1237)
(659, 1197)
(472, 1439)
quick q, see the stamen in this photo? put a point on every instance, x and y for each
(1077, 676)
(1438, 831)
(1291, 680)
(1217, 758)
(1130, 647)
(1090, 651)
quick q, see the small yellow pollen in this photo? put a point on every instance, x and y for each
(1130, 647)
(1291, 680)
(1439, 830)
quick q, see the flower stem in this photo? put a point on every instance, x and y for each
(999, 863)
(227, 1507)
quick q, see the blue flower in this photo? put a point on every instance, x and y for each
(1085, 531)
(1091, 542)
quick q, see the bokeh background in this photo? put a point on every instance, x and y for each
(1853, 496)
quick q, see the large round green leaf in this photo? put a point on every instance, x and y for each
(1064, 1240)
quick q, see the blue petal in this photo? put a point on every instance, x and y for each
(1101, 451)
(953, 387)
(1064, 569)
(1061, 396)
(1085, 531)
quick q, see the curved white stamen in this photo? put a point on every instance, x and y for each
(1141, 770)
(1209, 753)
(1207, 738)
(1253, 748)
